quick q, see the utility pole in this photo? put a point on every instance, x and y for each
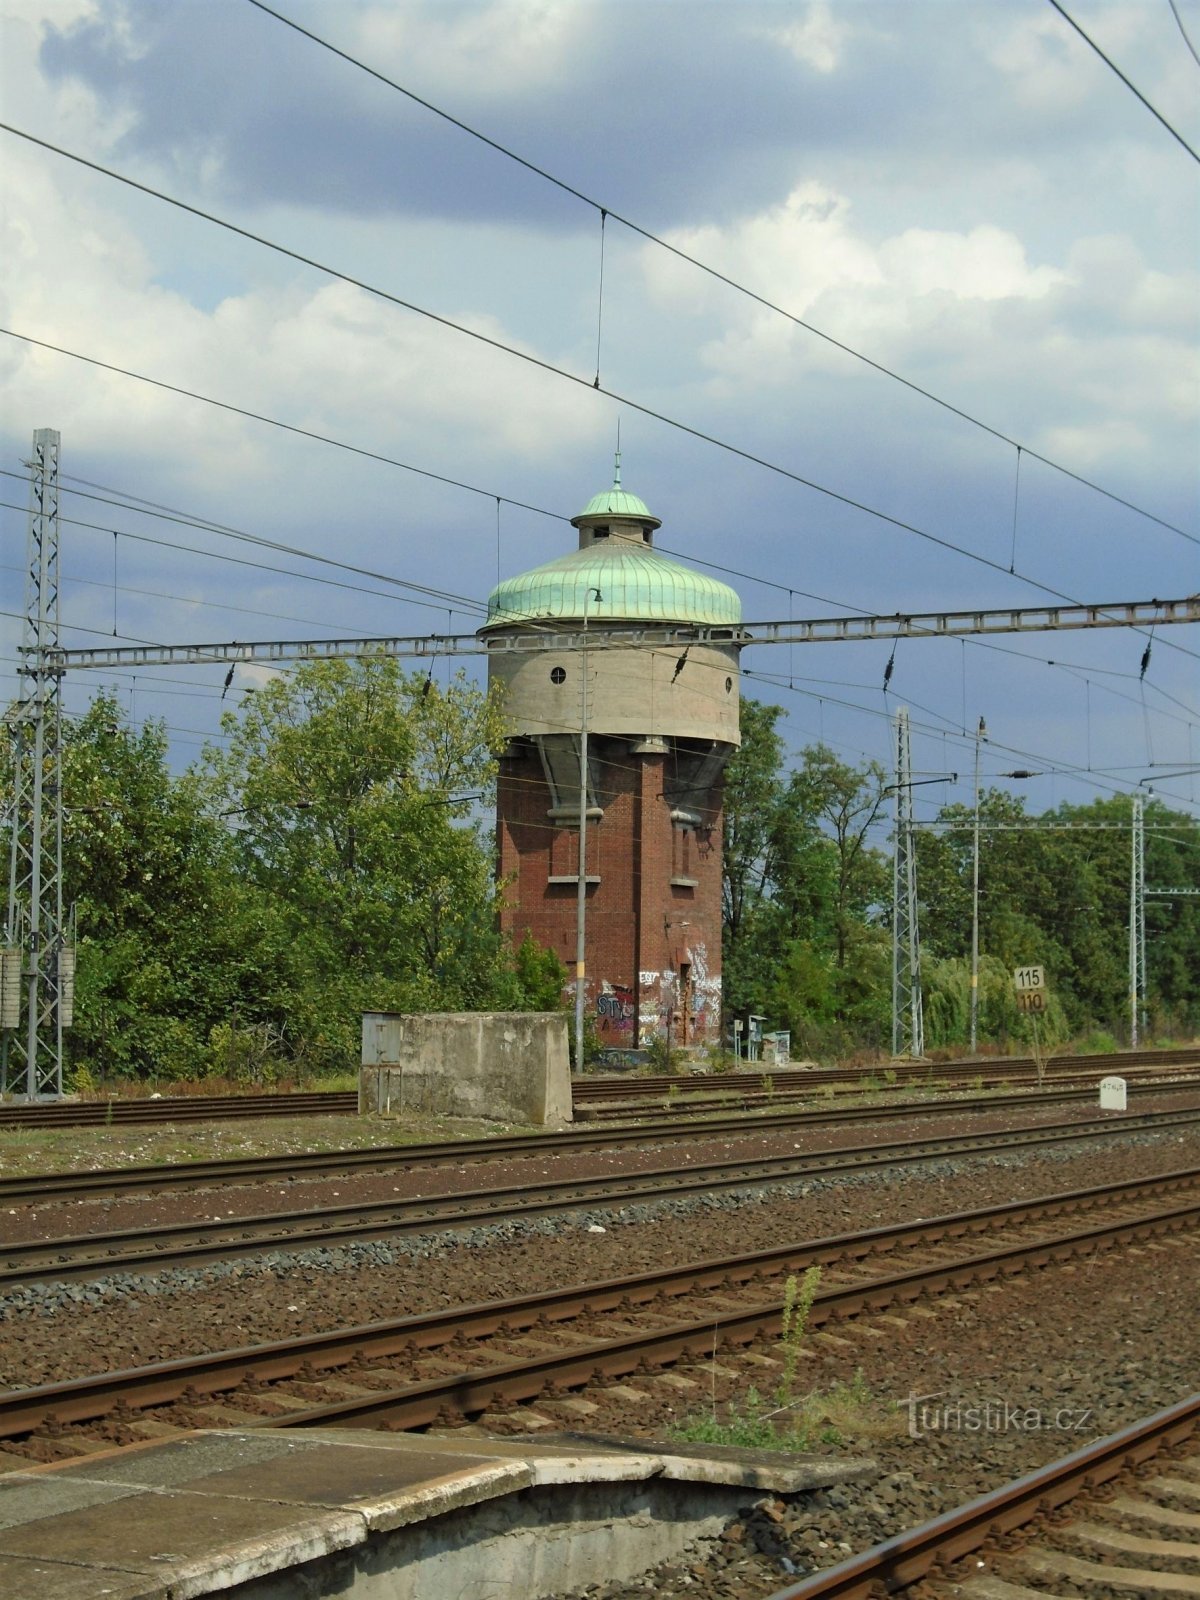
(581, 901)
(1137, 924)
(980, 736)
(908, 1028)
(35, 948)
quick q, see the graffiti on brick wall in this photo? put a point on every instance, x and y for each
(649, 1008)
(685, 1006)
(615, 1007)
(704, 996)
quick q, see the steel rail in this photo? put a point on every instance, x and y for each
(983, 1064)
(448, 1152)
(169, 1245)
(1006, 1068)
(163, 1383)
(911, 1556)
(183, 1108)
(784, 1083)
(420, 1404)
(684, 1102)
(211, 1108)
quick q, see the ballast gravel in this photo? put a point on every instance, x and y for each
(278, 1295)
(1117, 1335)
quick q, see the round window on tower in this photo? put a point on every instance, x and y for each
(728, 685)
(558, 675)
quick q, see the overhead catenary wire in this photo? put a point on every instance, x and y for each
(241, 561)
(223, 530)
(341, 444)
(128, 500)
(173, 514)
(606, 210)
(1111, 64)
(1092, 778)
(209, 526)
(1049, 764)
(1186, 36)
(538, 362)
(274, 422)
(260, 566)
(193, 600)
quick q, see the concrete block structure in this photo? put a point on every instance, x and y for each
(506, 1066)
(661, 725)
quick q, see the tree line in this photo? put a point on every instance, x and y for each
(807, 905)
(334, 855)
(330, 858)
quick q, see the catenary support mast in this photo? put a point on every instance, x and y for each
(34, 926)
(1137, 925)
(908, 1028)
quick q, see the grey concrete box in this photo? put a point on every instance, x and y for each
(505, 1066)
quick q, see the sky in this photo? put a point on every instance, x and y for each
(963, 195)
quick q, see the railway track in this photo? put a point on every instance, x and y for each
(117, 1112)
(190, 1244)
(194, 1174)
(467, 1361)
(1064, 1528)
(612, 1096)
(591, 1093)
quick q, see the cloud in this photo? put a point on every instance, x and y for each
(293, 345)
(515, 48)
(1091, 354)
(985, 264)
(792, 253)
(815, 39)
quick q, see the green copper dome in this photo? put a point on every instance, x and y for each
(636, 584)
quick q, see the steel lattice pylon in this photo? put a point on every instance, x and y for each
(34, 929)
(1137, 925)
(908, 1027)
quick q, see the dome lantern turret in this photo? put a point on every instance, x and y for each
(616, 555)
(615, 514)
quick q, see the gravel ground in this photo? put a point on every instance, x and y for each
(61, 1218)
(1082, 1350)
(1117, 1336)
(129, 1320)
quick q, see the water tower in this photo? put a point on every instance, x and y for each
(661, 725)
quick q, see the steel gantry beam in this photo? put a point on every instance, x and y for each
(534, 635)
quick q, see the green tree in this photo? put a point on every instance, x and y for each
(169, 941)
(753, 791)
(803, 889)
(845, 803)
(1054, 891)
(355, 787)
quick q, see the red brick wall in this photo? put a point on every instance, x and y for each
(653, 947)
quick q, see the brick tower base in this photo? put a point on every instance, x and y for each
(653, 897)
